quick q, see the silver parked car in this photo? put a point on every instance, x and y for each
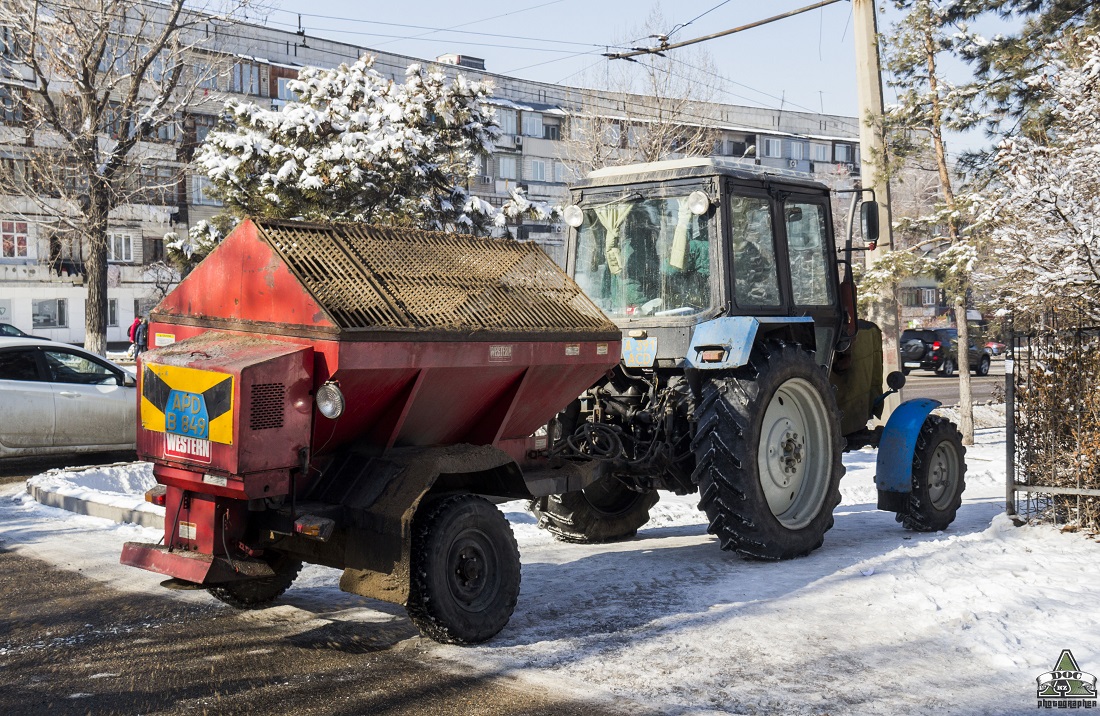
(56, 398)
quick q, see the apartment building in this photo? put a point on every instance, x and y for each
(42, 274)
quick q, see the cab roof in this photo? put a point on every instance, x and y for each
(694, 167)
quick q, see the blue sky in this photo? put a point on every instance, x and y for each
(806, 62)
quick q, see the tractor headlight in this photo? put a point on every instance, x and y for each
(573, 215)
(698, 203)
(330, 401)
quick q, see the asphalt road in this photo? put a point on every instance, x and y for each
(984, 389)
(71, 645)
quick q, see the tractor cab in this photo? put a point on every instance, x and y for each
(666, 246)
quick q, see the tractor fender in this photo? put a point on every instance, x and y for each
(894, 473)
(735, 335)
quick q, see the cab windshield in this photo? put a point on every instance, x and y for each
(641, 256)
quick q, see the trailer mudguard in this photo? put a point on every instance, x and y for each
(735, 335)
(894, 472)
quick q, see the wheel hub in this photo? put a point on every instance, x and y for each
(469, 568)
(795, 453)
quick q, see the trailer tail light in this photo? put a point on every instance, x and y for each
(157, 496)
(318, 528)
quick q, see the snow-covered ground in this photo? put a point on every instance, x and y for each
(878, 621)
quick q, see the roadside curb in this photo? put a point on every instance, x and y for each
(81, 506)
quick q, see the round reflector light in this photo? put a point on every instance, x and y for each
(330, 401)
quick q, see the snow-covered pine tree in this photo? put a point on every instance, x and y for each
(1044, 212)
(356, 146)
(928, 105)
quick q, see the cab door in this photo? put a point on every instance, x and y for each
(27, 415)
(811, 258)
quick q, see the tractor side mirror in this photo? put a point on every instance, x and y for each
(869, 215)
(895, 380)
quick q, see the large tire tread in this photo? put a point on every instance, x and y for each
(921, 514)
(258, 593)
(726, 454)
(572, 518)
(431, 606)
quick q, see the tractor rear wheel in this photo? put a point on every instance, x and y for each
(465, 571)
(256, 593)
(605, 511)
(768, 454)
(938, 481)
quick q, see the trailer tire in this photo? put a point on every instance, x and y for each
(465, 573)
(768, 454)
(258, 593)
(605, 511)
(938, 477)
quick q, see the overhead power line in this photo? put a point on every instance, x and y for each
(666, 46)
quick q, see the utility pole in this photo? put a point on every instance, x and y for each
(873, 174)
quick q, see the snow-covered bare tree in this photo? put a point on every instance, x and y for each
(93, 81)
(356, 146)
(1045, 210)
(928, 106)
(655, 107)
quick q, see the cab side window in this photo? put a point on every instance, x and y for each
(755, 279)
(18, 365)
(807, 249)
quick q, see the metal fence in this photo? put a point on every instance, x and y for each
(1052, 391)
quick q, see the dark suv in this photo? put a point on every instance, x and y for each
(937, 349)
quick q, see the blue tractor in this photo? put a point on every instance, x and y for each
(745, 372)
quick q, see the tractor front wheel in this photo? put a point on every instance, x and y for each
(938, 483)
(257, 593)
(606, 511)
(465, 571)
(768, 454)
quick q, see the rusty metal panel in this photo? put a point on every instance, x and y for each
(369, 277)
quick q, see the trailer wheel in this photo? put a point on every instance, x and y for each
(938, 477)
(465, 571)
(605, 511)
(768, 454)
(256, 593)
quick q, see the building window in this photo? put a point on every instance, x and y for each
(284, 91)
(163, 133)
(206, 76)
(50, 313)
(819, 152)
(15, 239)
(203, 124)
(910, 297)
(10, 48)
(201, 187)
(11, 106)
(561, 174)
(506, 168)
(929, 296)
(796, 150)
(773, 147)
(532, 124)
(538, 170)
(112, 312)
(120, 247)
(152, 250)
(551, 131)
(843, 153)
(245, 78)
(507, 120)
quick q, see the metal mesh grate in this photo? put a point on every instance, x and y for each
(268, 401)
(368, 276)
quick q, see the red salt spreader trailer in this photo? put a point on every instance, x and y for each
(346, 395)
